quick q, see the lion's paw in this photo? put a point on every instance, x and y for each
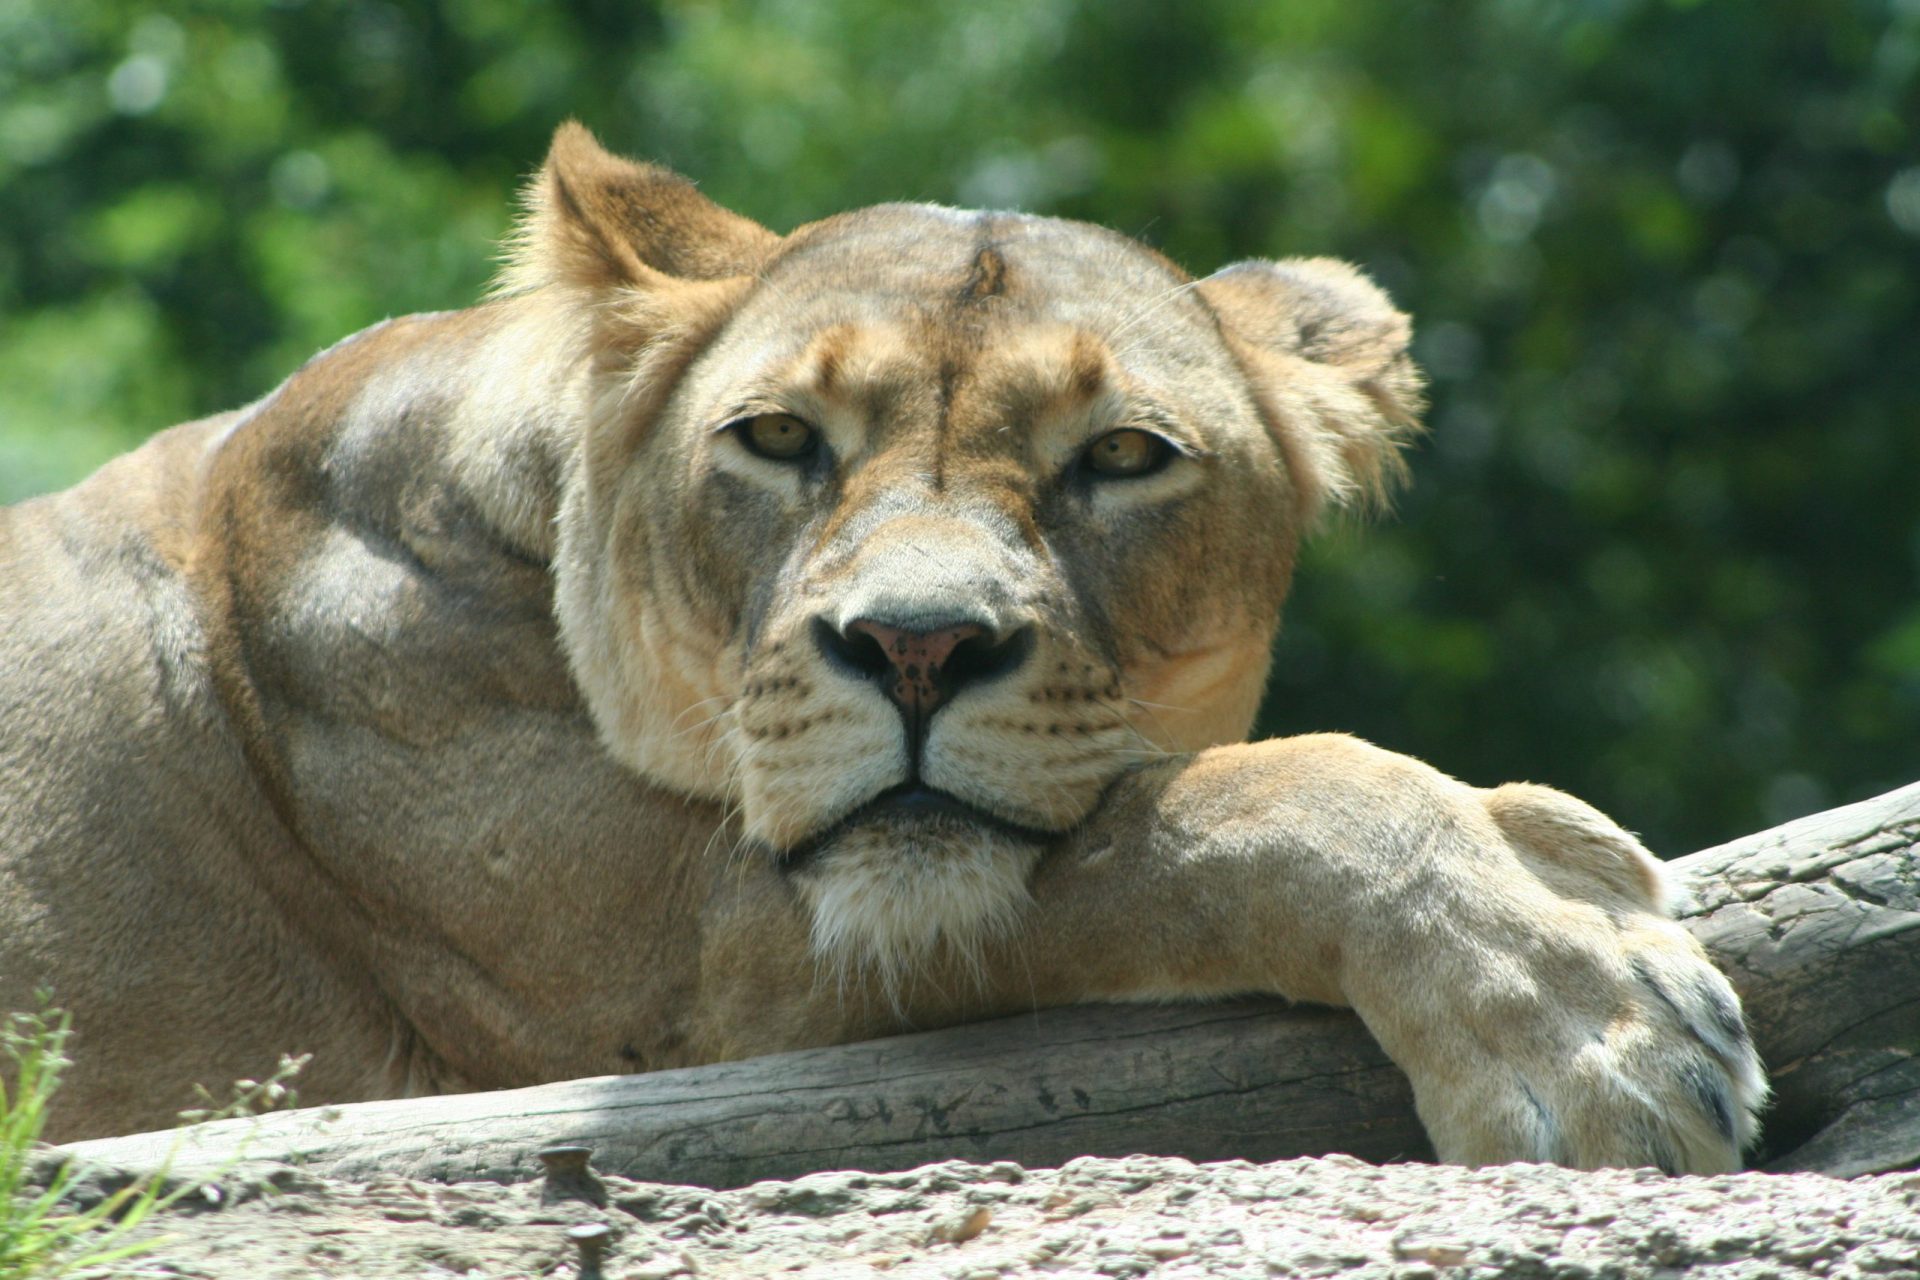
(1596, 1055)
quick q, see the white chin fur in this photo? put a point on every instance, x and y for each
(889, 902)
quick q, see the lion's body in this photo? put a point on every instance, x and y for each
(158, 763)
(487, 706)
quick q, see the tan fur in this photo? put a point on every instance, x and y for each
(478, 709)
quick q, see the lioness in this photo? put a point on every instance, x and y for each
(720, 643)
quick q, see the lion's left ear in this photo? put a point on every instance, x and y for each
(1326, 352)
(597, 221)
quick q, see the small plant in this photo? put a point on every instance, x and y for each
(40, 1235)
(250, 1097)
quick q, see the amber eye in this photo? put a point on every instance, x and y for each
(1127, 452)
(779, 436)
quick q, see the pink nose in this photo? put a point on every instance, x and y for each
(917, 658)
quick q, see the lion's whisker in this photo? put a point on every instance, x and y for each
(1150, 309)
(1159, 706)
(1149, 748)
(692, 707)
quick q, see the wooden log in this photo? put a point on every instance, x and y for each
(1817, 924)
(1251, 1079)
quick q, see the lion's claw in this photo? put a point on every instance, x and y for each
(1664, 1076)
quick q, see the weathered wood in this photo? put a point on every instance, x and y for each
(1816, 922)
(1247, 1078)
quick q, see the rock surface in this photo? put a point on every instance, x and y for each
(1141, 1216)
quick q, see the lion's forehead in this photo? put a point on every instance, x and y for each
(903, 241)
(973, 267)
(917, 314)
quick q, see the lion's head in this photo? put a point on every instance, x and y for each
(905, 534)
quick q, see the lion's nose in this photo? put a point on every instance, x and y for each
(921, 668)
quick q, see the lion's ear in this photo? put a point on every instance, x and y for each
(1326, 351)
(595, 220)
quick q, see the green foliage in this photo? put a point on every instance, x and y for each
(40, 1236)
(1662, 548)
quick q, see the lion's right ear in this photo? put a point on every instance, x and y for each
(597, 221)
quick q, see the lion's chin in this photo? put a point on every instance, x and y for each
(913, 808)
(905, 889)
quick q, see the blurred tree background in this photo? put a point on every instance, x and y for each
(1663, 544)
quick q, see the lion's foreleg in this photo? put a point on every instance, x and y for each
(1509, 948)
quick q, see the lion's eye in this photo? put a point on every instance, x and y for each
(779, 436)
(1127, 452)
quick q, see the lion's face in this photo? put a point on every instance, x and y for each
(911, 540)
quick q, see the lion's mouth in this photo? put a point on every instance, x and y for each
(908, 805)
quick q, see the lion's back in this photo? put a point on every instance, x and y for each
(122, 792)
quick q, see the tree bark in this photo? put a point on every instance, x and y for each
(1817, 923)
